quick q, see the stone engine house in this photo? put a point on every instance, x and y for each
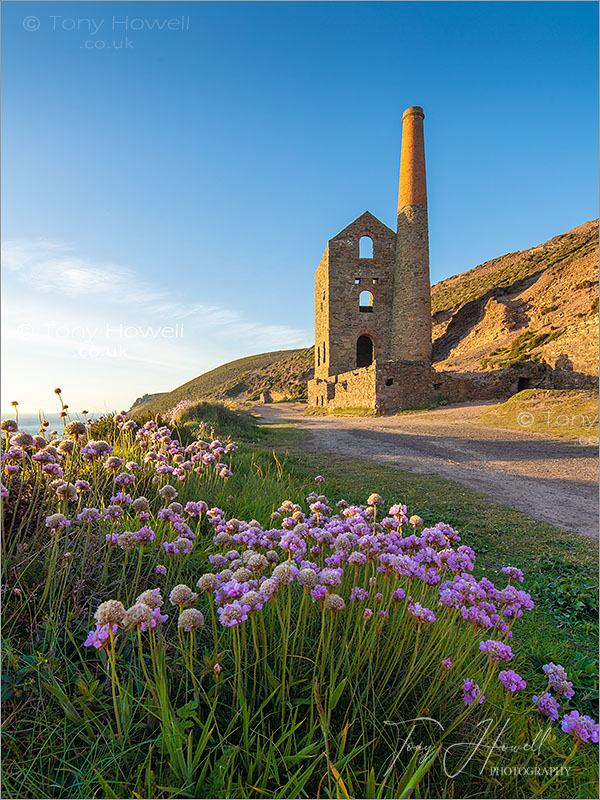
(373, 301)
(373, 328)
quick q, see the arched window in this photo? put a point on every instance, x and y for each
(365, 301)
(365, 247)
(364, 351)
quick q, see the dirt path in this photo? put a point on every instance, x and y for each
(555, 480)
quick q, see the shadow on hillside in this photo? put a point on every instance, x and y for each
(467, 317)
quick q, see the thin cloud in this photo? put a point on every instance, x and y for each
(54, 268)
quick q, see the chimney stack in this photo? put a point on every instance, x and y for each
(411, 320)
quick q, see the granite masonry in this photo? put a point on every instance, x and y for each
(373, 344)
(373, 301)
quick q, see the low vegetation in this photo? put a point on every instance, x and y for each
(556, 412)
(520, 350)
(202, 420)
(504, 272)
(283, 373)
(355, 411)
(441, 401)
(185, 616)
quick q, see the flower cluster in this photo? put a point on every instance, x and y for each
(318, 548)
(421, 614)
(547, 705)
(112, 615)
(558, 680)
(496, 650)
(472, 692)
(580, 726)
(100, 636)
(342, 561)
(511, 680)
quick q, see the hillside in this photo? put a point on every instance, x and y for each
(283, 373)
(540, 304)
(147, 398)
(555, 412)
(536, 304)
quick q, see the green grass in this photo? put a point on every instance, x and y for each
(59, 738)
(229, 378)
(416, 409)
(570, 414)
(499, 535)
(521, 349)
(356, 411)
(208, 420)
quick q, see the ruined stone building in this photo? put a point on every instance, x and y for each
(372, 299)
(373, 327)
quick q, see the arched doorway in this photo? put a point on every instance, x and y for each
(364, 351)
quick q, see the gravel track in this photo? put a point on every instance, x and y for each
(555, 480)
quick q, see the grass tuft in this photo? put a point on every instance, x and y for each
(564, 413)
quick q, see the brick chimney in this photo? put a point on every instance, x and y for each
(411, 316)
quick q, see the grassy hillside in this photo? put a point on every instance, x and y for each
(284, 373)
(148, 398)
(556, 412)
(505, 271)
(537, 304)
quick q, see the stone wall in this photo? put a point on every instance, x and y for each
(322, 316)
(389, 386)
(353, 389)
(339, 280)
(402, 384)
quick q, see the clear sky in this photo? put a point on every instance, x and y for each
(157, 177)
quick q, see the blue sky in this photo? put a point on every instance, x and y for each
(154, 178)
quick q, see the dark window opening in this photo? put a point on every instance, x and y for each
(523, 383)
(318, 356)
(365, 247)
(324, 354)
(357, 281)
(323, 295)
(389, 382)
(364, 351)
(365, 301)
(375, 281)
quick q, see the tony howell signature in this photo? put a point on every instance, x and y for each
(414, 734)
